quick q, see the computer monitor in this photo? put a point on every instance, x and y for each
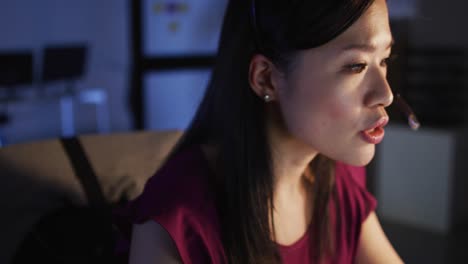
(64, 63)
(16, 68)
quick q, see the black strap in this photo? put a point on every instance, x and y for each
(84, 171)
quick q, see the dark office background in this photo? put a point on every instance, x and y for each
(134, 60)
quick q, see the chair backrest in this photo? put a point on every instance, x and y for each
(38, 177)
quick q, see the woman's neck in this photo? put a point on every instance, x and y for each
(293, 193)
(290, 157)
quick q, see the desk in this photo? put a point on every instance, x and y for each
(40, 117)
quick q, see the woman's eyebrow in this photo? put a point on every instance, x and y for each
(365, 46)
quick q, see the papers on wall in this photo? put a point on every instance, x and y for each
(181, 27)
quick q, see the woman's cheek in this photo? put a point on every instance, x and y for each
(339, 108)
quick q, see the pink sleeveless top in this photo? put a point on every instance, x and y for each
(178, 198)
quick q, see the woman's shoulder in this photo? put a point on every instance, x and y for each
(355, 174)
(352, 194)
(353, 204)
(182, 183)
(182, 170)
(180, 200)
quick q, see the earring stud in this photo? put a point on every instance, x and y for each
(267, 98)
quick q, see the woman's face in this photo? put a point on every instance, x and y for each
(335, 92)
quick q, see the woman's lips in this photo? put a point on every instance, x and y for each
(375, 136)
(375, 133)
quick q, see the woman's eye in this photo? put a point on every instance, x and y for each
(388, 60)
(356, 68)
(384, 62)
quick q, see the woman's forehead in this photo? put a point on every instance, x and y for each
(370, 31)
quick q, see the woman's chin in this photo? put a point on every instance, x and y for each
(360, 158)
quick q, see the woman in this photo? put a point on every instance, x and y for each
(298, 91)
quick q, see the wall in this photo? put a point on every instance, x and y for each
(421, 176)
(416, 172)
(29, 24)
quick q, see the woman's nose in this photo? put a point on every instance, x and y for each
(379, 92)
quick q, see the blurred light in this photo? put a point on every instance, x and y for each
(402, 9)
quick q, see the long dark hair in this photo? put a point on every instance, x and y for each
(232, 117)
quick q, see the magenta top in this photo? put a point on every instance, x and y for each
(179, 199)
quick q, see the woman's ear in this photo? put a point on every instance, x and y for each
(263, 77)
